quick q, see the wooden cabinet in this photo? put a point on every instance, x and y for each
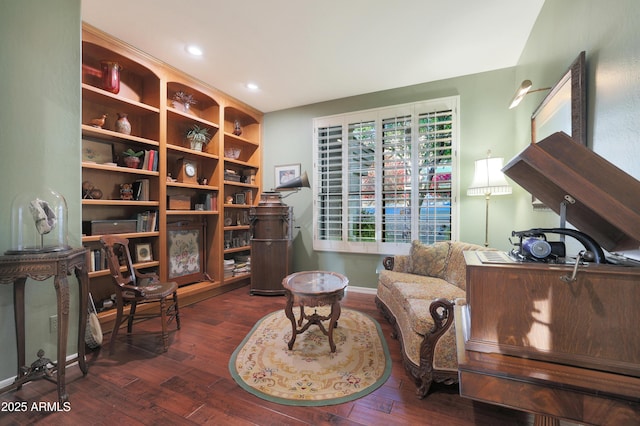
(272, 262)
(176, 185)
(534, 340)
(272, 243)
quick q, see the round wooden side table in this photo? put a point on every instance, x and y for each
(312, 289)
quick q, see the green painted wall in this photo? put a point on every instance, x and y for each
(485, 123)
(40, 146)
(605, 30)
(40, 71)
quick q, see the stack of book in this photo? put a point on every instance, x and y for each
(209, 200)
(147, 221)
(150, 160)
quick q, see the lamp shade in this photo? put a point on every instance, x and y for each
(488, 178)
(521, 92)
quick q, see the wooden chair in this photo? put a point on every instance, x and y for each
(137, 288)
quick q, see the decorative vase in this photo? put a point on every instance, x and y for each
(123, 125)
(196, 145)
(110, 76)
(132, 162)
(237, 129)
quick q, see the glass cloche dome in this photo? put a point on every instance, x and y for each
(38, 223)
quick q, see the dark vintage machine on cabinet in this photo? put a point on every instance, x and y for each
(559, 339)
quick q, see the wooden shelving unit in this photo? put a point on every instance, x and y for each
(158, 123)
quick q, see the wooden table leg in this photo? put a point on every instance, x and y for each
(333, 323)
(288, 310)
(82, 276)
(62, 290)
(18, 312)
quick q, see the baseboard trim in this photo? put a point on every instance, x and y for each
(356, 289)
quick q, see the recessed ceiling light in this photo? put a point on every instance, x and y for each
(194, 50)
(252, 86)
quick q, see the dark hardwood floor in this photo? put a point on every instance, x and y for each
(191, 384)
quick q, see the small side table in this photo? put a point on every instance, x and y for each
(311, 289)
(15, 269)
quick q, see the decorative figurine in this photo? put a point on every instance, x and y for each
(237, 129)
(98, 122)
(43, 215)
(126, 191)
(90, 192)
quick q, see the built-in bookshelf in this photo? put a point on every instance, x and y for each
(177, 189)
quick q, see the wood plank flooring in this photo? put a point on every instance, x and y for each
(190, 384)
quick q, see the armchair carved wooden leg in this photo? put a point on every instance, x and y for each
(163, 314)
(132, 313)
(117, 323)
(176, 309)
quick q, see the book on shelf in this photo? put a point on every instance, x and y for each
(147, 221)
(154, 164)
(98, 259)
(150, 160)
(210, 201)
(141, 190)
(145, 160)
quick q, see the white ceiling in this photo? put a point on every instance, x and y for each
(301, 51)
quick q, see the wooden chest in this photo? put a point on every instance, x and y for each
(102, 227)
(179, 202)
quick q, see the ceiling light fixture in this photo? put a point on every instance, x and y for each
(252, 86)
(522, 91)
(194, 50)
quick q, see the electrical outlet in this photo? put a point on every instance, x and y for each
(53, 324)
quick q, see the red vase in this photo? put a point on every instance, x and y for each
(110, 76)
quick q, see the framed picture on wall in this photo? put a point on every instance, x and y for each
(286, 173)
(186, 252)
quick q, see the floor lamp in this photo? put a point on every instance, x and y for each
(488, 180)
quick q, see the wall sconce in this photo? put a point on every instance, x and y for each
(488, 180)
(522, 91)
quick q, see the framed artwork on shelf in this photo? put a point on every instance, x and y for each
(239, 198)
(185, 248)
(97, 151)
(143, 253)
(286, 173)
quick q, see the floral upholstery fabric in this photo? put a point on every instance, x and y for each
(402, 263)
(408, 297)
(429, 260)
(429, 272)
(455, 270)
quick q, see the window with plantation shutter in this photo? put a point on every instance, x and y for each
(385, 177)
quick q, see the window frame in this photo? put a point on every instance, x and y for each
(378, 115)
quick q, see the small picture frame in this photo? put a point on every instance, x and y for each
(97, 151)
(143, 253)
(284, 174)
(240, 198)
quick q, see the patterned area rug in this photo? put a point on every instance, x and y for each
(309, 374)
